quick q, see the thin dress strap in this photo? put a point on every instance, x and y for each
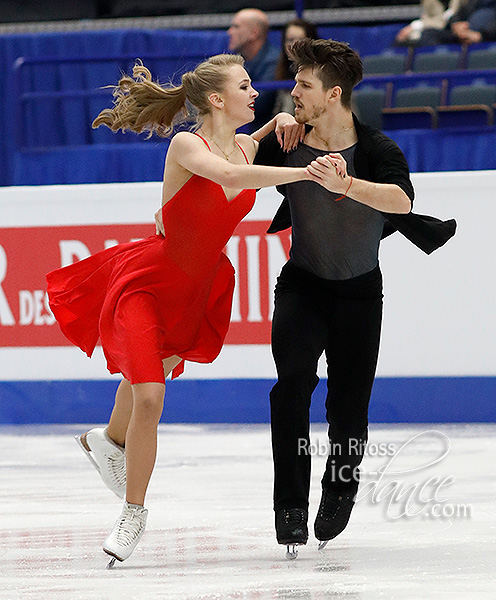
(202, 138)
(246, 158)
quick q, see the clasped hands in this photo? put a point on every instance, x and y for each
(330, 172)
(461, 29)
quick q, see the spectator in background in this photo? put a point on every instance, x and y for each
(428, 30)
(248, 37)
(295, 30)
(474, 22)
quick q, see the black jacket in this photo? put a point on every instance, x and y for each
(377, 159)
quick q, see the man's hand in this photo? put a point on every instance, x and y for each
(289, 133)
(330, 172)
(159, 225)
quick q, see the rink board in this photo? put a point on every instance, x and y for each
(394, 400)
(437, 360)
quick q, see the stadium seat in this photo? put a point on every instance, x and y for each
(470, 105)
(415, 117)
(384, 64)
(436, 61)
(421, 95)
(369, 103)
(476, 115)
(414, 108)
(482, 59)
(473, 94)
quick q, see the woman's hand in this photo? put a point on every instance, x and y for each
(159, 225)
(289, 133)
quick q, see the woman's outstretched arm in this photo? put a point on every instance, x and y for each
(189, 152)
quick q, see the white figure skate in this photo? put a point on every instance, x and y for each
(126, 534)
(108, 458)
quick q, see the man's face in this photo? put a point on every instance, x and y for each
(240, 32)
(309, 97)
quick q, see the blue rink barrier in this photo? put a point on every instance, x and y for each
(394, 400)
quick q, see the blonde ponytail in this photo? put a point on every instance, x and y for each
(142, 105)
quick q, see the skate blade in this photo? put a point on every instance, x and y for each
(322, 545)
(88, 454)
(112, 558)
(292, 551)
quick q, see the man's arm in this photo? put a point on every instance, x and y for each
(383, 196)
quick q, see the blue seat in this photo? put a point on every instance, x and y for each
(482, 59)
(473, 94)
(476, 115)
(413, 108)
(470, 105)
(421, 117)
(422, 95)
(384, 64)
(436, 61)
(368, 103)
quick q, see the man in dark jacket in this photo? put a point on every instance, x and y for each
(248, 37)
(328, 297)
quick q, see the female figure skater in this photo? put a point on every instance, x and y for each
(157, 302)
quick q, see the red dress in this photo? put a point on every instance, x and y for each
(157, 297)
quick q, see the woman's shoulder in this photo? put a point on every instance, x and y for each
(249, 145)
(184, 139)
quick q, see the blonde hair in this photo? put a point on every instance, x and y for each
(143, 105)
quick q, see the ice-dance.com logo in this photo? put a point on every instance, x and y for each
(405, 483)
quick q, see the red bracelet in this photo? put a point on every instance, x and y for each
(347, 190)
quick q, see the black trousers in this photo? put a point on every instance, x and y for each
(343, 319)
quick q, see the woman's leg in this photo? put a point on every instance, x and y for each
(141, 437)
(121, 413)
(119, 419)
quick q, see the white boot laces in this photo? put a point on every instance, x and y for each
(117, 467)
(129, 526)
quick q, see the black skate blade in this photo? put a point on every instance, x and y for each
(322, 545)
(292, 551)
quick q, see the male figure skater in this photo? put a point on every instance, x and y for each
(328, 296)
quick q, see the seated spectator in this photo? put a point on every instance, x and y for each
(296, 29)
(248, 37)
(434, 17)
(474, 22)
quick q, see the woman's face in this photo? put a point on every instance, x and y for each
(239, 95)
(293, 34)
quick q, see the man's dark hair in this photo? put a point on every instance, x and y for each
(335, 63)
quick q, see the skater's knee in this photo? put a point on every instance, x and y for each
(148, 400)
(295, 386)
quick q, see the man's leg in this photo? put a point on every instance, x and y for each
(298, 339)
(351, 352)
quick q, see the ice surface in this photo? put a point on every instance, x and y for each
(210, 528)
